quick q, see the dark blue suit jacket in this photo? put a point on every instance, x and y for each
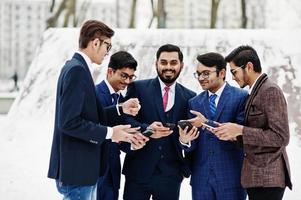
(110, 150)
(78, 130)
(141, 164)
(210, 153)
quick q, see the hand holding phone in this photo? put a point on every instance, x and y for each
(171, 126)
(148, 132)
(184, 123)
(208, 127)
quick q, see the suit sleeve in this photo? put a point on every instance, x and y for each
(72, 98)
(276, 131)
(134, 121)
(193, 142)
(240, 116)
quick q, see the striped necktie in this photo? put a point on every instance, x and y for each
(212, 105)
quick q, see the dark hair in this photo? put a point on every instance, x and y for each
(212, 60)
(92, 29)
(122, 59)
(170, 48)
(244, 54)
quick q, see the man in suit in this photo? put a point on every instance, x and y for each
(79, 127)
(157, 169)
(120, 74)
(216, 164)
(265, 133)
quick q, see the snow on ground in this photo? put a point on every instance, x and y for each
(26, 132)
(24, 164)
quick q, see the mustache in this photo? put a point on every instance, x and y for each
(166, 70)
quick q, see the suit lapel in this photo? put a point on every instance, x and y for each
(205, 103)
(99, 107)
(105, 90)
(157, 98)
(254, 92)
(179, 101)
(84, 64)
(222, 101)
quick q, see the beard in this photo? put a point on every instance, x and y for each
(168, 79)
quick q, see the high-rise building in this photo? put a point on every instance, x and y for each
(22, 23)
(21, 26)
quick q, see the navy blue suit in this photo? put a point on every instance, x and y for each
(160, 163)
(78, 131)
(109, 184)
(215, 163)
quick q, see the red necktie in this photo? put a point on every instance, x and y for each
(165, 97)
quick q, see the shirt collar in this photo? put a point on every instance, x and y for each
(162, 85)
(112, 91)
(219, 91)
(251, 88)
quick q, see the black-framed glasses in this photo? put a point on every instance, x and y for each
(233, 71)
(125, 76)
(109, 45)
(204, 74)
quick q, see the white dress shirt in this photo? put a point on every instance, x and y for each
(171, 94)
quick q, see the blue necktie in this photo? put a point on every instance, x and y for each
(115, 97)
(212, 105)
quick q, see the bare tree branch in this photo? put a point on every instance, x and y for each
(52, 5)
(161, 14)
(133, 14)
(153, 12)
(244, 18)
(214, 9)
(52, 21)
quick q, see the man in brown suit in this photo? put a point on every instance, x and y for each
(265, 134)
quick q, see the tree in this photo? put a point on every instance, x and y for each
(158, 13)
(133, 14)
(214, 9)
(161, 14)
(68, 9)
(243, 14)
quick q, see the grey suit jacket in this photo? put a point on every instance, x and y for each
(265, 137)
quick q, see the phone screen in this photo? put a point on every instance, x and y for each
(148, 132)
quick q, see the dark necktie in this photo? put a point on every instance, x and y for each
(115, 97)
(212, 105)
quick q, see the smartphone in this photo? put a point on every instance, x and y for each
(184, 123)
(148, 132)
(207, 126)
(171, 126)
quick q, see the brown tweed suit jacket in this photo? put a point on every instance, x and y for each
(265, 137)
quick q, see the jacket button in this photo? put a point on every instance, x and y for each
(160, 148)
(245, 155)
(162, 156)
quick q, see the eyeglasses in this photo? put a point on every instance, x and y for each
(233, 71)
(125, 76)
(109, 45)
(204, 74)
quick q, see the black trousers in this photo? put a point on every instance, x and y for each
(159, 188)
(265, 193)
